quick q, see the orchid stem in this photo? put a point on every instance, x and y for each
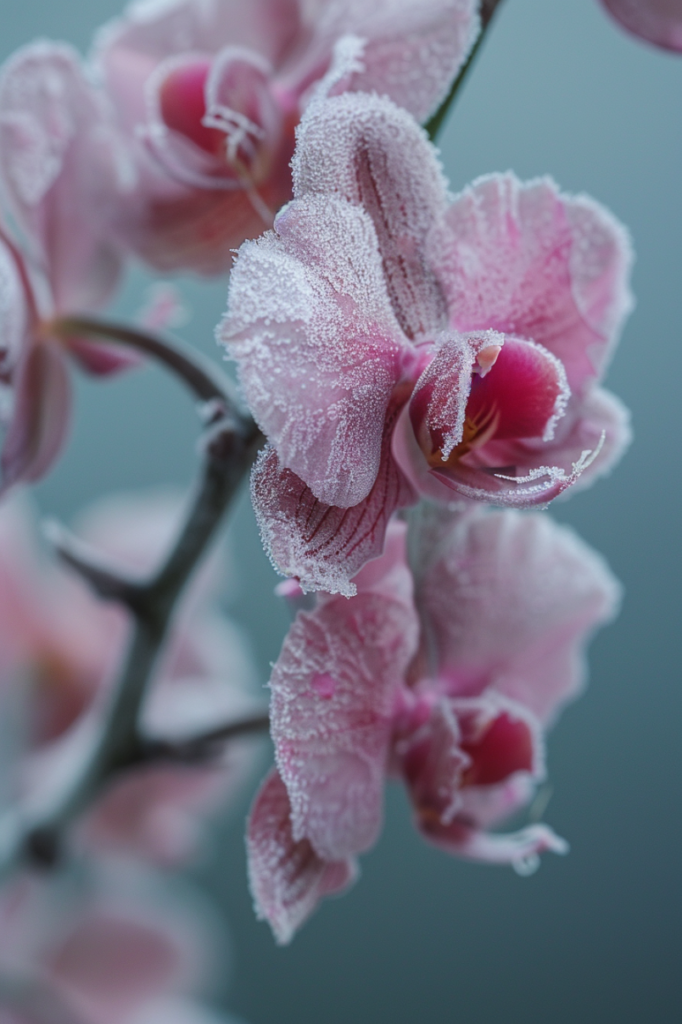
(200, 375)
(434, 126)
(230, 444)
(203, 746)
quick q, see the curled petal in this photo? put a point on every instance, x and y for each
(520, 849)
(333, 694)
(287, 877)
(657, 21)
(468, 745)
(63, 170)
(509, 603)
(318, 349)
(40, 417)
(323, 546)
(373, 154)
(526, 260)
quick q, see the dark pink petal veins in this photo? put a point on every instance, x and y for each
(323, 546)
(287, 878)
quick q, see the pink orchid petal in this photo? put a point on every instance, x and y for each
(154, 813)
(370, 152)
(128, 48)
(14, 311)
(40, 419)
(100, 359)
(333, 695)
(214, 124)
(318, 348)
(523, 393)
(526, 260)
(550, 592)
(323, 546)
(499, 737)
(287, 877)
(432, 764)
(413, 50)
(110, 964)
(61, 167)
(520, 849)
(468, 745)
(657, 21)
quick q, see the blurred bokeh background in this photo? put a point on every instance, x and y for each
(594, 937)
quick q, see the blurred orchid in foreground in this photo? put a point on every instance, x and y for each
(209, 93)
(453, 698)
(104, 958)
(393, 342)
(60, 649)
(62, 170)
(657, 21)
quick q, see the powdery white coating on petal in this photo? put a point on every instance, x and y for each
(62, 170)
(509, 602)
(601, 424)
(445, 384)
(657, 21)
(414, 50)
(318, 348)
(372, 153)
(333, 694)
(512, 474)
(287, 877)
(526, 260)
(323, 546)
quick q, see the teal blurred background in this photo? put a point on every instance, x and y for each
(593, 938)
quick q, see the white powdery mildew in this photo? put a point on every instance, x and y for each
(333, 690)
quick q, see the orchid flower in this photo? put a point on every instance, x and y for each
(657, 21)
(108, 957)
(62, 170)
(395, 342)
(60, 651)
(210, 92)
(454, 699)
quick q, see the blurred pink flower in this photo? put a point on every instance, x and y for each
(60, 649)
(115, 957)
(61, 171)
(212, 91)
(395, 342)
(455, 701)
(657, 21)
